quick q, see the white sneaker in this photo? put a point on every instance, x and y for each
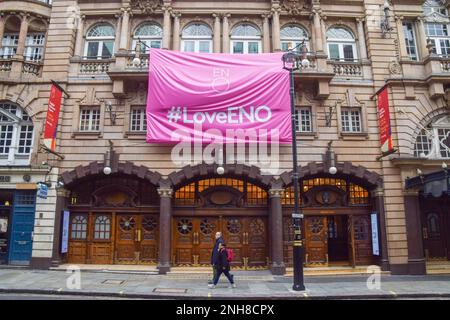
(233, 286)
(211, 286)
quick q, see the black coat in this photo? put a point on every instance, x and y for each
(215, 251)
(222, 260)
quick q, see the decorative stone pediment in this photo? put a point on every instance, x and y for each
(437, 17)
(442, 123)
(146, 6)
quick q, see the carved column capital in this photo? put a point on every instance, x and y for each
(399, 18)
(360, 19)
(62, 192)
(176, 14)
(165, 192)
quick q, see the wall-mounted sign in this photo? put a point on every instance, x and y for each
(4, 179)
(51, 122)
(375, 243)
(42, 191)
(384, 122)
(65, 232)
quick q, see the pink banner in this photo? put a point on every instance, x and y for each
(221, 98)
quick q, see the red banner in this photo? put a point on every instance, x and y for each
(51, 123)
(384, 121)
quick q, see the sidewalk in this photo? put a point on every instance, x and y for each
(250, 285)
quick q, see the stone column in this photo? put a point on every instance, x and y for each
(416, 258)
(276, 29)
(362, 39)
(378, 198)
(176, 31)
(23, 36)
(124, 36)
(2, 27)
(401, 38)
(165, 229)
(324, 34)
(422, 41)
(118, 33)
(276, 229)
(166, 27)
(216, 42)
(80, 36)
(266, 33)
(226, 33)
(62, 199)
(318, 43)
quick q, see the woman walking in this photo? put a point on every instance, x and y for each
(222, 265)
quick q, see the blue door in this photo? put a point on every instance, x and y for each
(21, 245)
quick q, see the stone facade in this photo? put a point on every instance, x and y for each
(417, 88)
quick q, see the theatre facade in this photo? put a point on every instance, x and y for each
(115, 199)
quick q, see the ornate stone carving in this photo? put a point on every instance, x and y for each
(395, 68)
(146, 6)
(294, 7)
(165, 192)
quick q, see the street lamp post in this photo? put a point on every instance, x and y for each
(290, 63)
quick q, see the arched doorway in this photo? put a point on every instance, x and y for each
(338, 212)
(114, 219)
(234, 206)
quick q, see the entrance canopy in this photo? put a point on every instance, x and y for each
(435, 184)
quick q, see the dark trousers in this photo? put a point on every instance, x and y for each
(227, 274)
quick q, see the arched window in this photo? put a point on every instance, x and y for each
(149, 33)
(35, 41)
(292, 36)
(16, 134)
(245, 38)
(79, 228)
(196, 37)
(102, 228)
(437, 27)
(433, 142)
(10, 39)
(100, 42)
(341, 44)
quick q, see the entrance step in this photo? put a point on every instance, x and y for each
(438, 267)
(201, 273)
(110, 268)
(335, 271)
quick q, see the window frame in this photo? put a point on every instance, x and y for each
(28, 53)
(196, 39)
(408, 45)
(91, 110)
(341, 43)
(6, 43)
(294, 41)
(299, 121)
(350, 120)
(147, 39)
(16, 123)
(245, 40)
(142, 120)
(430, 140)
(101, 40)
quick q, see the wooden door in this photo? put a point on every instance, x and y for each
(148, 238)
(234, 236)
(316, 241)
(362, 240)
(256, 245)
(204, 239)
(127, 227)
(183, 240)
(78, 235)
(434, 234)
(288, 240)
(100, 244)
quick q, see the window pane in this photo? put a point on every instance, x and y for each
(204, 46)
(253, 47)
(238, 47)
(348, 52)
(410, 41)
(155, 44)
(107, 50)
(189, 46)
(334, 51)
(92, 51)
(445, 47)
